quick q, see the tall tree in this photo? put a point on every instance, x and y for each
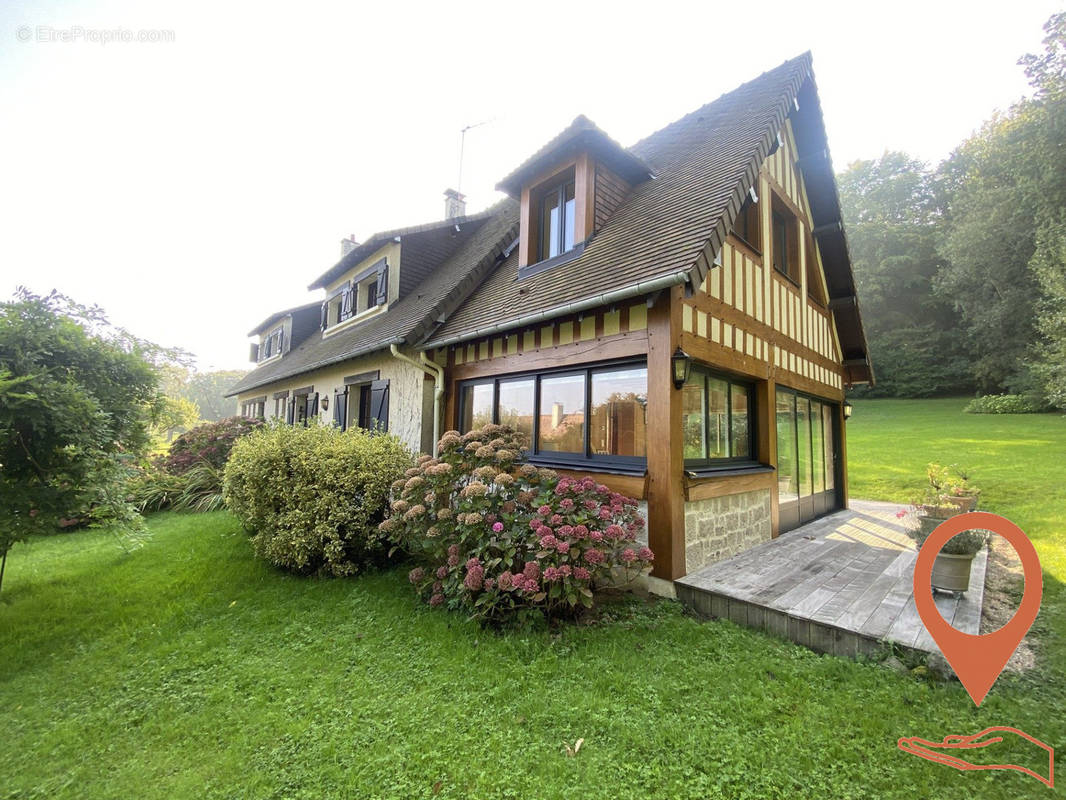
(892, 212)
(77, 398)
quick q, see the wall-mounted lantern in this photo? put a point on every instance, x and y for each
(681, 362)
(847, 410)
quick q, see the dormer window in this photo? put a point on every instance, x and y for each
(366, 291)
(271, 345)
(557, 218)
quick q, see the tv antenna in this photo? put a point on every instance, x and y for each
(462, 149)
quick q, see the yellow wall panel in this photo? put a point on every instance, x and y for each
(638, 317)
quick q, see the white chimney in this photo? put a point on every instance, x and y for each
(454, 204)
(348, 245)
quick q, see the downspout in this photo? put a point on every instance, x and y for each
(438, 380)
(438, 395)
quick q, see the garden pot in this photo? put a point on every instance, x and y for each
(965, 502)
(928, 525)
(951, 573)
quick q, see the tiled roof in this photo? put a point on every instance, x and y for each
(411, 317)
(281, 315)
(703, 164)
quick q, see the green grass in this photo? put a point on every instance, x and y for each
(187, 669)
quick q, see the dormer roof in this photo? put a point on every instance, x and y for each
(277, 316)
(580, 135)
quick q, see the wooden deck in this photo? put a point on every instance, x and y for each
(841, 584)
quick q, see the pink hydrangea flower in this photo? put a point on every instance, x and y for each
(543, 531)
(497, 527)
(548, 542)
(562, 547)
(531, 570)
(442, 573)
(567, 504)
(556, 519)
(551, 574)
(591, 505)
(614, 532)
(475, 575)
(416, 575)
(596, 536)
(580, 531)
(436, 599)
(605, 513)
(646, 554)
(544, 510)
(629, 555)
(489, 583)
(453, 550)
(581, 574)
(453, 561)
(593, 556)
(506, 581)
(564, 570)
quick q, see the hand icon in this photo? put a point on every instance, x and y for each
(961, 752)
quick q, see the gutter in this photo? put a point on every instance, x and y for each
(433, 370)
(607, 298)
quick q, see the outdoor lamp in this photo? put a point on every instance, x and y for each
(681, 362)
(847, 410)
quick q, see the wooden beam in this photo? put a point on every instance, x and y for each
(666, 503)
(838, 303)
(706, 488)
(550, 355)
(829, 227)
(766, 440)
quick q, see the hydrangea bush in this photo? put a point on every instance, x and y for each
(503, 540)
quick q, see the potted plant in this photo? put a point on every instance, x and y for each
(952, 484)
(951, 569)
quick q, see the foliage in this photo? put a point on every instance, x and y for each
(891, 206)
(176, 415)
(965, 543)
(210, 443)
(312, 497)
(77, 399)
(197, 489)
(951, 480)
(1049, 266)
(504, 541)
(1006, 404)
(206, 389)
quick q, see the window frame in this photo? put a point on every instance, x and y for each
(729, 462)
(558, 190)
(790, 250)
(563, 460)
(751, 214)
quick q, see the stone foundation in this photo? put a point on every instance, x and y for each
(724, 526)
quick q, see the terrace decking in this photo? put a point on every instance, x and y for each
(841, 584)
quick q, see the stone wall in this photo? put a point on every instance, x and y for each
(724, 526)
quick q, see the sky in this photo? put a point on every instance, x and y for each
(194, 182)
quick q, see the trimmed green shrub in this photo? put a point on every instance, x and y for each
(312, 497)
(1006, 404)
(210, 442)
(504, 541)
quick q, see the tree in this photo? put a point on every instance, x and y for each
(206, 389)
(77, 398)
(892, 210)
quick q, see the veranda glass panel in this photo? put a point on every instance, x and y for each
(787, 484)
(830, 453)
(477, 406)
(803, 442)
(717, 418)
(516, 407)
(618, 421)
(817, 447)
(693, 424)
(562, 414)
(741, 446)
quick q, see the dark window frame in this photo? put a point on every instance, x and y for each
(751, 218)
(534, 455)
(785, 255)
(728, 462)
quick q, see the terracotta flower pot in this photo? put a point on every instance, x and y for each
(951, 573)
(964, 502)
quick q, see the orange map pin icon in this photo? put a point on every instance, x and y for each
(977, 660)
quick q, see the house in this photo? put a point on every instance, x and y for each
(677, 318)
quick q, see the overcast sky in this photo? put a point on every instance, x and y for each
(193, 186)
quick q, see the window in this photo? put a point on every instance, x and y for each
(271, 345)
(747, 225)
(556, 220)
(717, 420)
(783, 242)
(595, 413)
(254, 409)
(371, 294)
(369, 289)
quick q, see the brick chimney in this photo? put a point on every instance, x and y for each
(348, 245)
(454, 204)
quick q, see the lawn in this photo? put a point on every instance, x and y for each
(187, 669)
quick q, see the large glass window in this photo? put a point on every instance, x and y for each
(516, 406)
(596, 413)
(476, 406)
(562, 414)
(717, 418)
(557, 220)
(787, 484)
(619, 413)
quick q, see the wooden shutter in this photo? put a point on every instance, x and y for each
(253, 352)
(340, 409)
(383, 286)
(290, 413)
(281, 340)
(325, 315)
(347, 302)
(379, 405)
(312, 406)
